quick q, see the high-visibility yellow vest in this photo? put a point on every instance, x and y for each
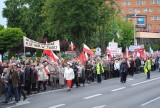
(147, 66)
(99, 69)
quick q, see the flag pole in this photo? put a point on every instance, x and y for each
(24, 51)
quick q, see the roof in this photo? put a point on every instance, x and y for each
(148, 35)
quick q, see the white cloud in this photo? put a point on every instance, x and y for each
(3, 21)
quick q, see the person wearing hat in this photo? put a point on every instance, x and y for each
(69, 76)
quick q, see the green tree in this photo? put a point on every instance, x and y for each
(126, 32)
(25, 14)
(73, 20)
(1, 27)
(10, 38)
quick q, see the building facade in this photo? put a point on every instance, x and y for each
(145, 14)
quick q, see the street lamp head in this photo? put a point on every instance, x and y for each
(137, 12)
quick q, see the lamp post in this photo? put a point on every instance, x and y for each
(135, 43)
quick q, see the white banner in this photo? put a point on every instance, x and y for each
(55, 46)
(115, 51)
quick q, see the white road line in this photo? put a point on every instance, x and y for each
(19, 104)
(130, 79)
(118, 89)
(102, 106)
(56, 106)
(89, 97)
(150, 101)
(145, 81)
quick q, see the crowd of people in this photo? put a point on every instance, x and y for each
(26, 77)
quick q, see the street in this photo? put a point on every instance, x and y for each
(137, 92)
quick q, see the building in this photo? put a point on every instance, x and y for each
(145, 15)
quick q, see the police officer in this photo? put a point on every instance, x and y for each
(148, 67)
(99, 70)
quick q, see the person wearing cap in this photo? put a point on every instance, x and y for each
(12, 83)
(69, 76)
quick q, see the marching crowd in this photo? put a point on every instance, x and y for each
(23, 78)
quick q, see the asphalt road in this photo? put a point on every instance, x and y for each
(137, 92)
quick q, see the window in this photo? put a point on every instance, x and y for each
(138, 2)
(158, 1)
(152, 17)
(158, 9)
(159, 25)
(143, 2)
(153, 1)
(122, 11)
(158, 18)
(129, 3)
(149, 25)
(135, 10)
(145, 10)
(150, 10)
(124, 3)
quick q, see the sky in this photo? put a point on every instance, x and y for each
(3, 21)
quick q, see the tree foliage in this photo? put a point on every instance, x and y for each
(10, 38)
(25, 14)
(1, 27)
(74, 20)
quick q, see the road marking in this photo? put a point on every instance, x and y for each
(118, 89)
(102, 106)
(145, 81)
(89, 97)
(150, 101)
(19, 104)
(56, 106)
(130, 79)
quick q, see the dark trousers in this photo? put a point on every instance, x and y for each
(21, 91)
(99, 78)
(76, 81)
(28, 87)
(123, 77)
(34, 86)
(105, 75)
(41, 83)
(93, 76)
(9, 92)
(148, 74)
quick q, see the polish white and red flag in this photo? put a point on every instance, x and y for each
(47, 70)
(72, 47)
(87, 50)
(127, 52)
(82, 58)
(51, 55)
